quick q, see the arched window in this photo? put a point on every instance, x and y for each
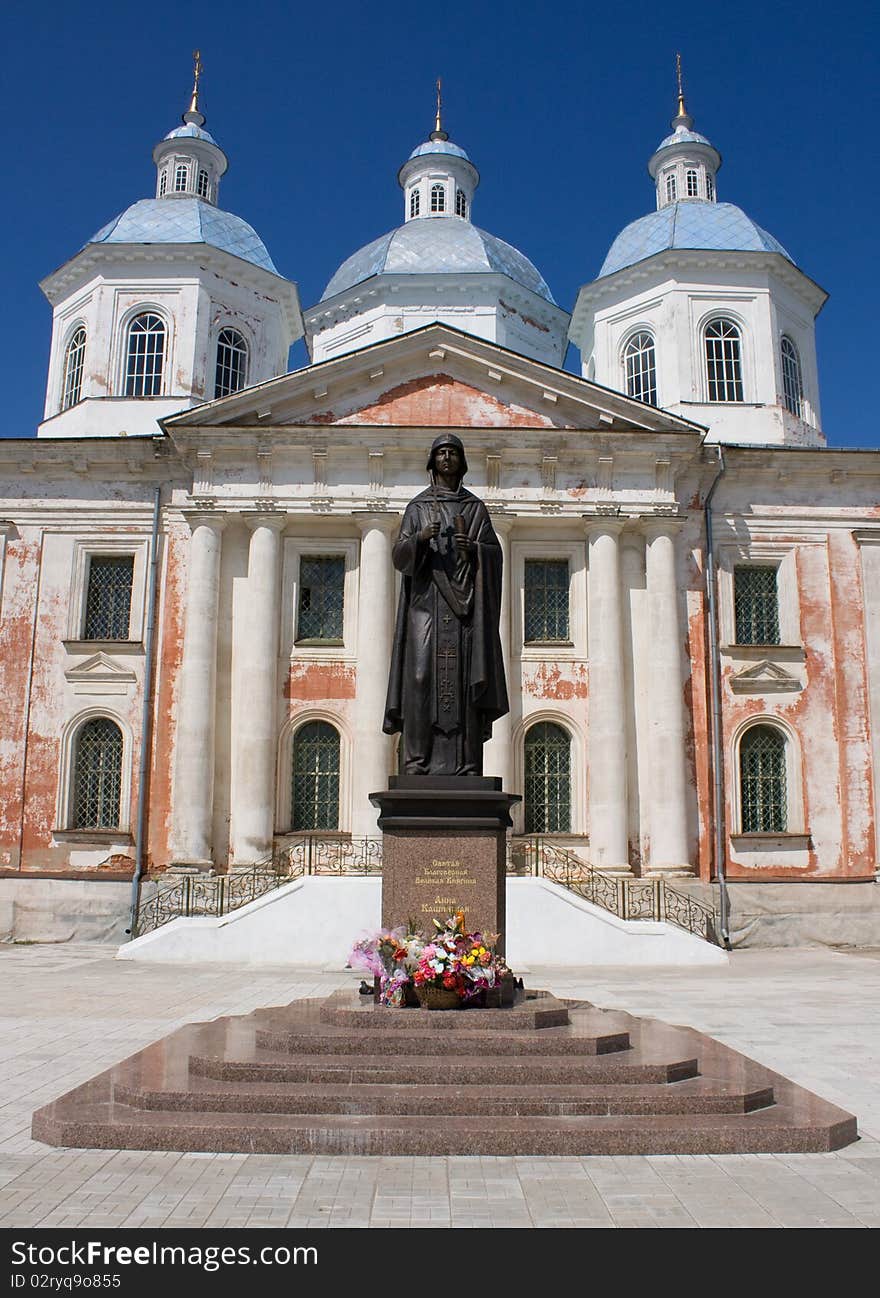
(792, 384)
(203, 184)
(438, 198)
(163, 183)
(415, 203)
(71, 389)
(145, 356)
(547, 780)
(97, 775)
(315, 785)
(460, 203)
(181, 171)
(762, 776)
(232, 359)
(710, 188)
(641, 369)
(723, 361)
(671, 189)
(690, 177)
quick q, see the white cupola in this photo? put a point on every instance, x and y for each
(172, 303)
(438, 267)
(699, 310)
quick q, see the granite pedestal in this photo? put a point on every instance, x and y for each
(444, 847)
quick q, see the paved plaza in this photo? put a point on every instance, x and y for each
(72, 1011)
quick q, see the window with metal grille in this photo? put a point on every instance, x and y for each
(321, 598)
(756, 605)
(792, 384)
(438, 198)
(145, 356)
(97, 775)
(710, 189)
(546, 601)
(232, 359)
(202, 189)
(415, 203)
(763, 792)
(460, 203)
(73, 369)
(163, 184)
(108, 597)
(641, 370)
(180, 174)
(691, 184)
(723, 361)
(547, 783)
(671, 189)
(315, 783)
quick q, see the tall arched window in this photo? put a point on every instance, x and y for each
(202, 189)
(723, 361)
(641, 369)
(671, 189)
(232, 359)
(710, 188)
(71, 389)
(315, 785)
(792, 384)
(547, 781)
(181, 171)
(145, 356)
(438, 198)
(762, 776)
(415, 203)
(460, 203)
(163, 183)
(691, 184)
(97, 775)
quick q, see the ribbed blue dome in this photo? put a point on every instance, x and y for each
(437, 245)
(186, 220)
(189, 131)
(717, 227)
(683, 136)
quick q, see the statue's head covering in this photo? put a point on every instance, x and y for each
(448, 439)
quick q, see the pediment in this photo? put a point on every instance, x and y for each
(433, 376)
(100, 674)
(764, 677)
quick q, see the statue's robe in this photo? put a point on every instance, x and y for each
(446, 685)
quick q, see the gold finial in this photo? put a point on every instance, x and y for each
(193, 114)
(681, 111)
(438, 132)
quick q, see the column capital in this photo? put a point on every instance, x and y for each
(384, 519)
(502, 523)
(263, 518)
(205, 518)
(653, 525)
(604, 524)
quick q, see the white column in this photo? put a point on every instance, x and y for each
(498, 752)
(194, 746)
(371, 756)
(607, 716)
(255, 686)
(666, 744)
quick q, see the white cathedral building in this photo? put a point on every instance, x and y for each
(196, 587)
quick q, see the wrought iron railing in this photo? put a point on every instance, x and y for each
(216, 895)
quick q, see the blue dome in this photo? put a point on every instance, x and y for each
(186, 220)
(439, 146)
(437, 245)
(683, 136)
(716, 227)
(191, 132)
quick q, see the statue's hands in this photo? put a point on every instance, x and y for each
(465, 544)
(429, 532)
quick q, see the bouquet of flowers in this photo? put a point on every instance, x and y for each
(460, 962)
(391, 955)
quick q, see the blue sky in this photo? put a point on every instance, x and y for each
(559, 107)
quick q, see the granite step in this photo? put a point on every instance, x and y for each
(695, 1095)
(344, 1041)
(778, 1129)
(478, 1070)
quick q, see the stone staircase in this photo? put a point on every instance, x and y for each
(343, 1076)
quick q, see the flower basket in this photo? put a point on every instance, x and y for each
(438, 998)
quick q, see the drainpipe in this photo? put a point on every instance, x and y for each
(715, 690)
(146, 717)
